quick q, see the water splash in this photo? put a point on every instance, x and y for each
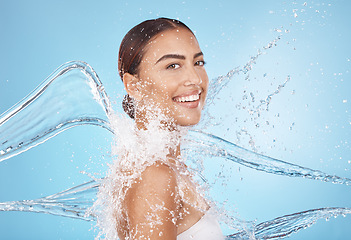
(268, 99)
(91, 106)
(75, 201)
(217, 84)
(71, 203)
(284, 226)
(53, 107)
(202, 143)
(215, 119)
(65, 108)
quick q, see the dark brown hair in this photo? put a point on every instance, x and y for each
(132, 48)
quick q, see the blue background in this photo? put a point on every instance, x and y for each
(311, 115)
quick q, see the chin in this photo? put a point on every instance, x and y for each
(188, 121)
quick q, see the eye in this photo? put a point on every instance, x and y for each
(200, 63)
(173, 66)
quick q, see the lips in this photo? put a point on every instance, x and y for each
(189, 99)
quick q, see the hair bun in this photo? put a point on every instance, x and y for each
(128, 106)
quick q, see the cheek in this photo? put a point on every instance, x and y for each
(157, 93)
(204, 75)
(205, 81)
(165, 89)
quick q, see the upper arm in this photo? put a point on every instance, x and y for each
(152, 204)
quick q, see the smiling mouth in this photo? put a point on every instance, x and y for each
(190, 98)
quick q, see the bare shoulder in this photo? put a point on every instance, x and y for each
(158, 172)
(157, 179)
(153, 198)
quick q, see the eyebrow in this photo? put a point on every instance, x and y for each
(177, 56)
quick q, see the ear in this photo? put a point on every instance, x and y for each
(131, 85)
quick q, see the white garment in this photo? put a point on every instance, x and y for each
(207, 228)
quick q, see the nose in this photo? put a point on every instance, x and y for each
(192, 77)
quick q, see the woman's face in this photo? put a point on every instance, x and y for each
(172, 76)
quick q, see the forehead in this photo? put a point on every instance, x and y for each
(175, 41)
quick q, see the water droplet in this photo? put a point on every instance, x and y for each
(8, 149)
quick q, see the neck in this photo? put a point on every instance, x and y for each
(144, 119)
(147, 124)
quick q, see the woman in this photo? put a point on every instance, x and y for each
(162, 68)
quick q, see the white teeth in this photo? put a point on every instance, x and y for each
(187, 98)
